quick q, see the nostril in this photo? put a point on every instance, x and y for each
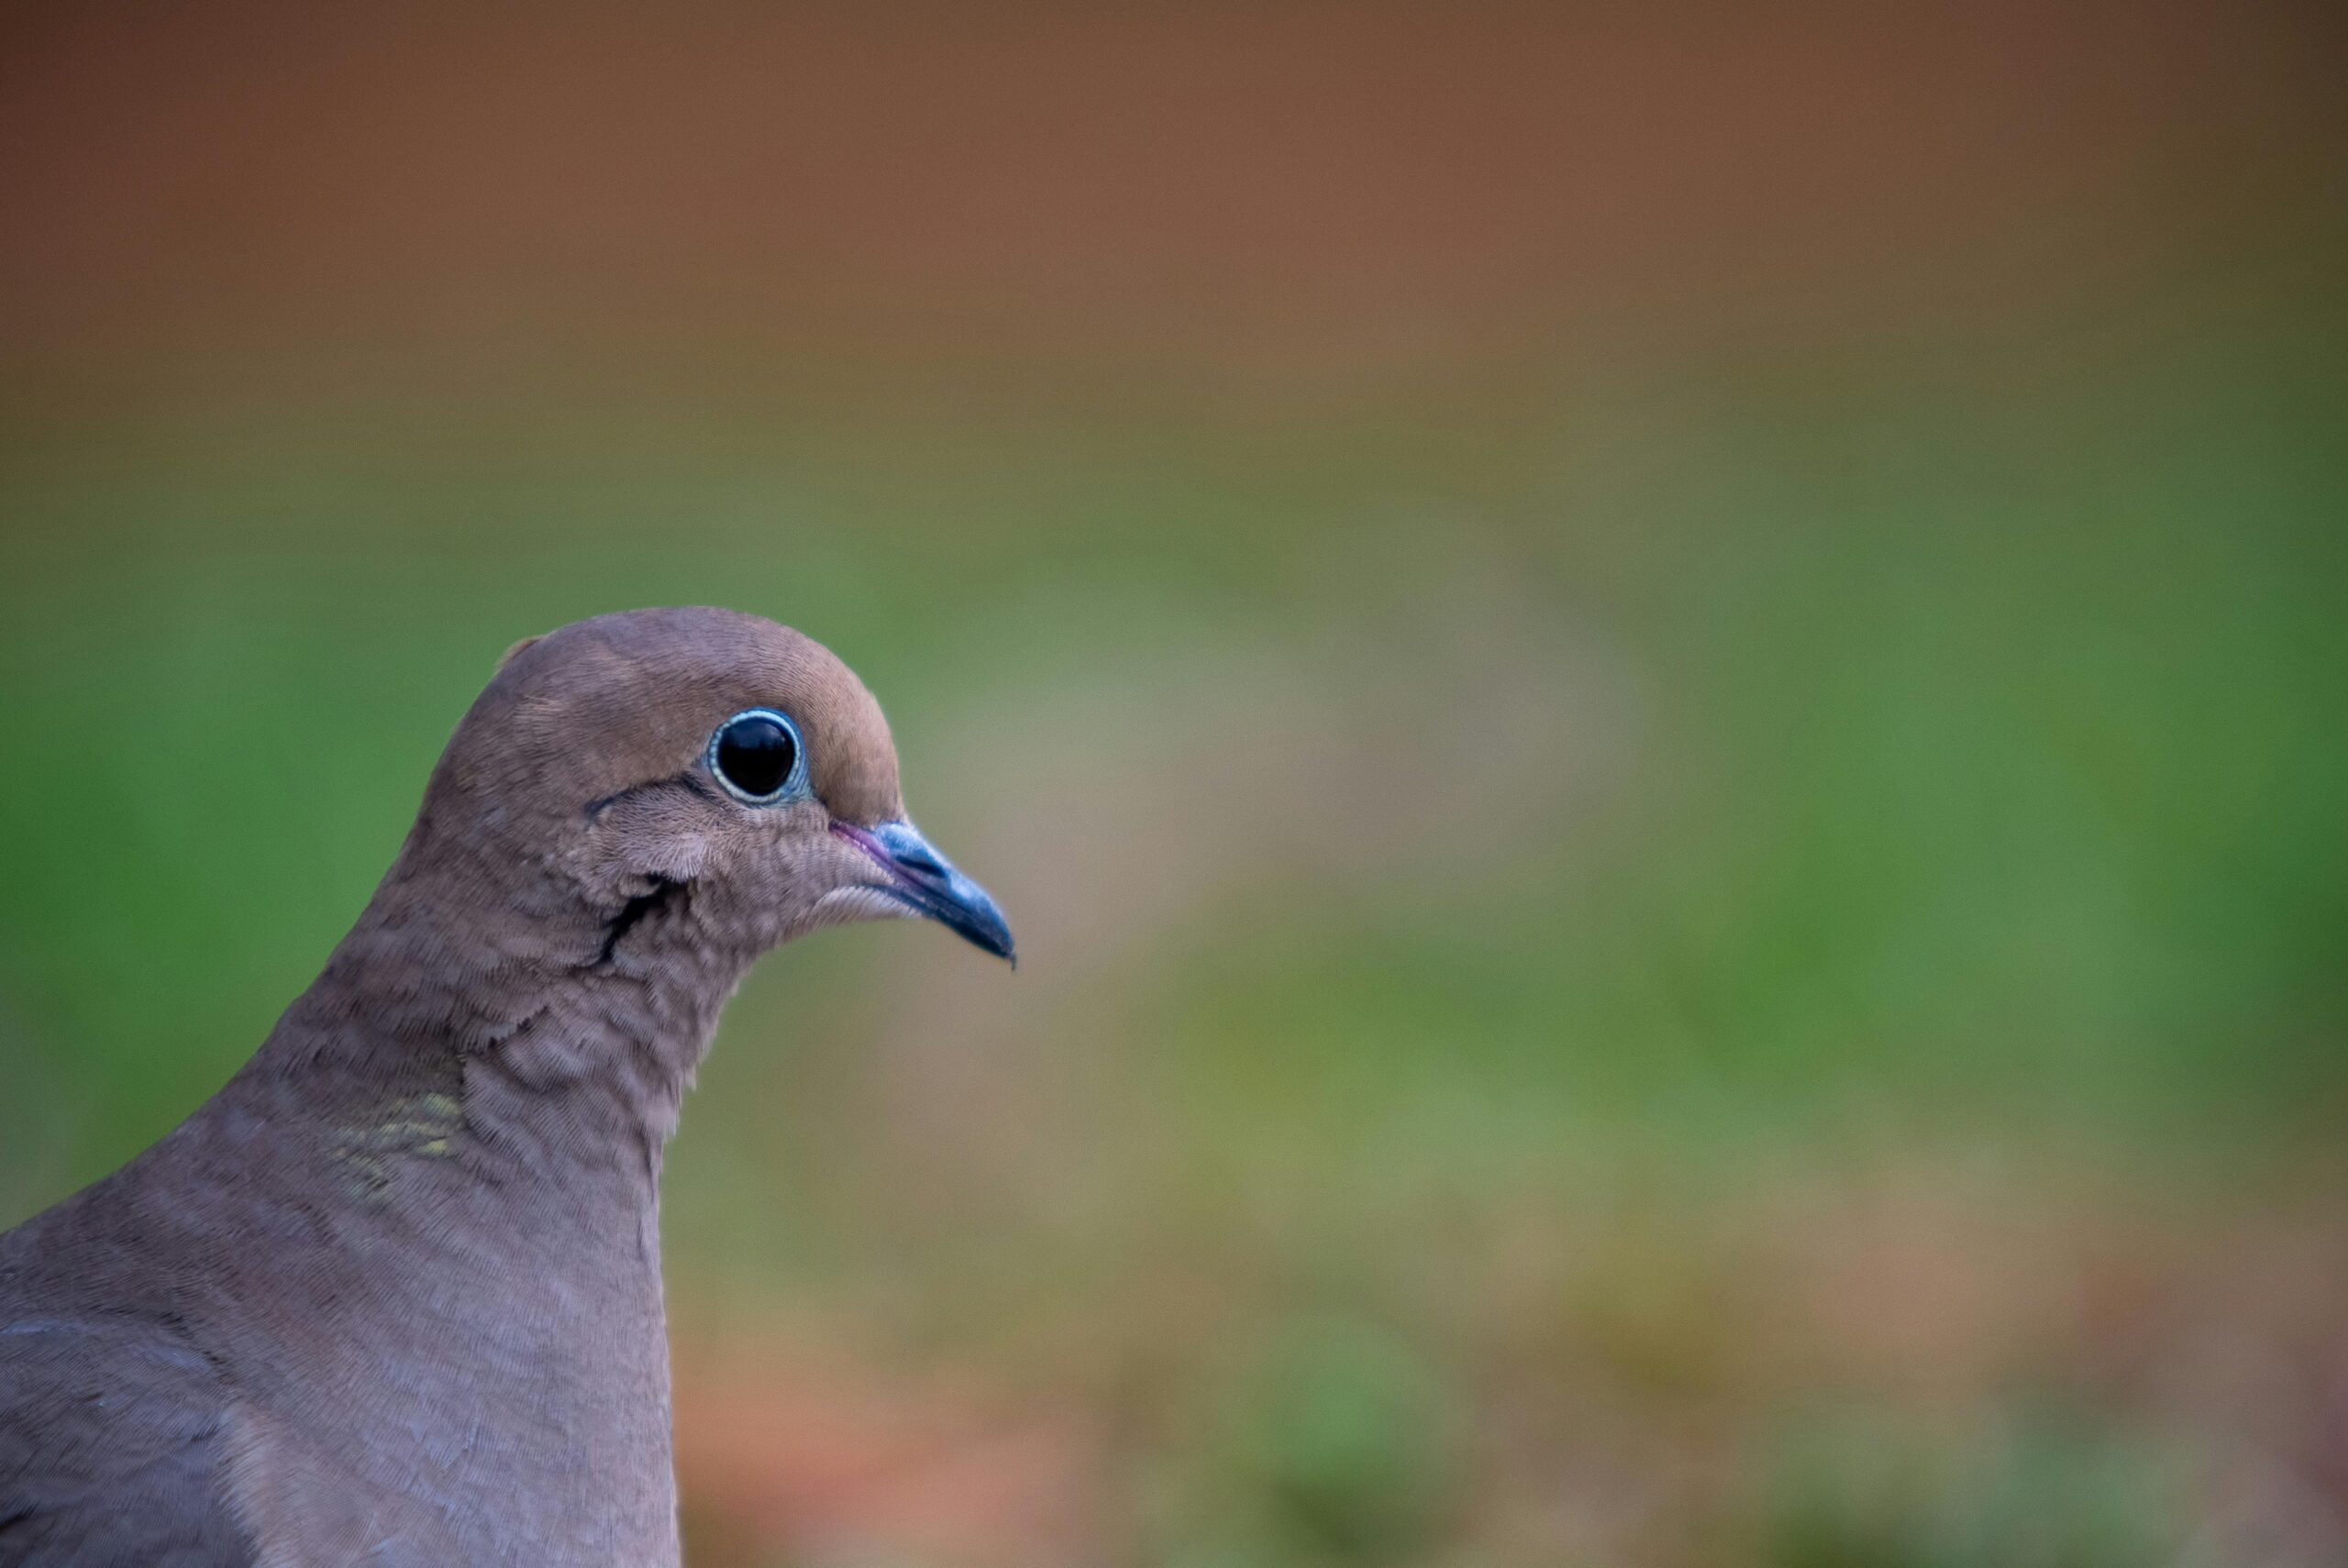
(910, 852)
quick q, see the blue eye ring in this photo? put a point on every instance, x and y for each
(758, 746)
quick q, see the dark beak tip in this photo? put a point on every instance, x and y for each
(989, 932)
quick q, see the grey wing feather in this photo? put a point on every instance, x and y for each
(112, 1438)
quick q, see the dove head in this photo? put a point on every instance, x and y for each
(661, 781)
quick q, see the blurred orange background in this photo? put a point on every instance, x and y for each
(1657, 693)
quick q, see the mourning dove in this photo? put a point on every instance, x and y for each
(392, 1296)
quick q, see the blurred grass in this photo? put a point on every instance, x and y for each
(1981, 740)
(2050, 1493)
(1951, 780)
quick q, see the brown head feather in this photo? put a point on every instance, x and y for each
(627, 698)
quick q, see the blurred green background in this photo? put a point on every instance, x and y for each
(1659, 697)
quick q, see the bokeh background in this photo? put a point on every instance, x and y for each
(1659, 693)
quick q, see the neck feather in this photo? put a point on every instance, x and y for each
(560, 1039)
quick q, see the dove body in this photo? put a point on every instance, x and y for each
(394, 1295)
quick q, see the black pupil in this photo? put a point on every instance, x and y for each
(755, 755)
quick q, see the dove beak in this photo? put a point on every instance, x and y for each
(929, 883)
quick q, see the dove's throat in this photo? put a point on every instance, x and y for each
(557, 1044)
(445, 1160)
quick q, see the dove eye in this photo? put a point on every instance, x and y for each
(756, 755)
